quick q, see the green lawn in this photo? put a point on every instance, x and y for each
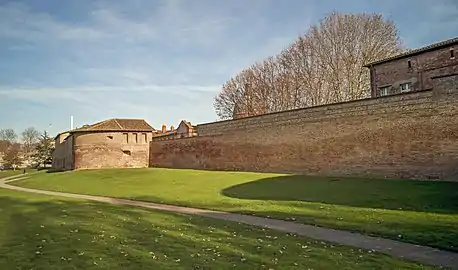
(8, 173)
(412, 211)
(43, 232)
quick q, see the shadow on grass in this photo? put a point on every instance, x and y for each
(85, 235)
(67, 234)
(421, 196)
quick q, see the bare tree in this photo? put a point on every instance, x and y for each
(30, 137)
(7, 138)
(308, 84)
(8, 134)
(12, 157)
(341, 44)
(236, 99)
(4, 145)
(325, 65)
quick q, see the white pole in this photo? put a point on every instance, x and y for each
(71, 122)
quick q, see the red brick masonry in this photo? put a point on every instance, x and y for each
(412, 135)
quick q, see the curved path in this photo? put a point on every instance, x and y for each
(421, 254)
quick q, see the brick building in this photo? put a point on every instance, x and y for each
(414, 70)
(107, 144)
(184, 130)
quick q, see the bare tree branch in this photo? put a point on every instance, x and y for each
(325, 65)
(30, 137)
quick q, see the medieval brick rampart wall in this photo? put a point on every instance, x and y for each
(411, 135)
(111, 150)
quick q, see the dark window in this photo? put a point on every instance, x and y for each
(126, 137)
(384, 91)
(135, 138)
(452, 53)
(110, 137)
(406, 87)
(126, 152)
(409, 64)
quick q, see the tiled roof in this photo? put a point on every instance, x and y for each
(416, 51)
(134, 124)
(104, 125)
(118, 124)
(115, 124)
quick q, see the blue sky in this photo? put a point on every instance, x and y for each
(160, 60)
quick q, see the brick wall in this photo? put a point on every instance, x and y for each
(424, 66)
(63, 154)
(446, 84)
(411, 135)
(110, 150)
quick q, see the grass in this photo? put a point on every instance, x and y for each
(8, 173)
(43, 232)
(421, 212)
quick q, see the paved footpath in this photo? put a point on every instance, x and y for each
(421, 254)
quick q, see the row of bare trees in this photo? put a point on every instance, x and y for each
(13, 153)
(325, 65)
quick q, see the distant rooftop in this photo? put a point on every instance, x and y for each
(412, 52)
(115, 124)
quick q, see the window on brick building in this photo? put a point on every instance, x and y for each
(126, 152)
(452, 54)
(145, 137)
(135, 137)
(384, 91)
(125, 137)
(406, 87)
(409, 63)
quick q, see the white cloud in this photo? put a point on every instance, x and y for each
(170, 45)
(18, 22)
(136, 58)
(169, 23)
